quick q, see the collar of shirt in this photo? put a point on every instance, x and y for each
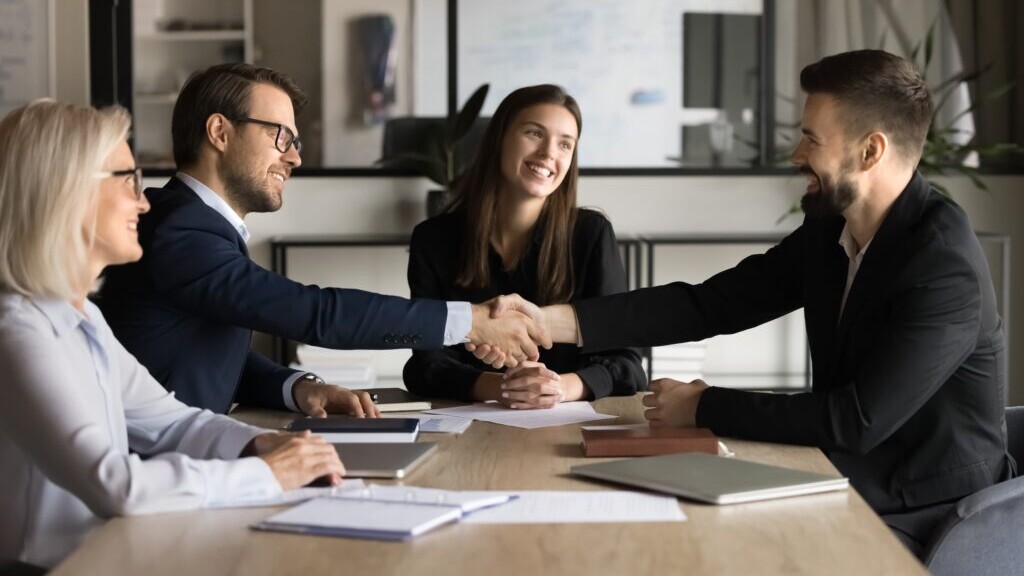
(213, 200)
(848, 243)
(62, 315)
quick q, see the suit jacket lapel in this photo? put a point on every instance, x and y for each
(174, 185)
(885, 253)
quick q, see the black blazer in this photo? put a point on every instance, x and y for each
(434, 257)
(187, 309)
(908, 385)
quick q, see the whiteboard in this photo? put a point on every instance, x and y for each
(26, 52)
(622, 61)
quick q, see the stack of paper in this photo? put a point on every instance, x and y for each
(561, 414)
(380, 512)
(339, 367)
(683, 362)
(435, 422)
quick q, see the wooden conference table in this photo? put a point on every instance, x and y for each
(834, 533)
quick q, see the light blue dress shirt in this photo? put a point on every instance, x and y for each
(76, 412)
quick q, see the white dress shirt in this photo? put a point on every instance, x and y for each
(457, 324)
(855, 256)
(76, 412)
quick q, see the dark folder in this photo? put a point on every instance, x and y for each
(337, 429)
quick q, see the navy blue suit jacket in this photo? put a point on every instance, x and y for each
(909, 380)
(187, 309)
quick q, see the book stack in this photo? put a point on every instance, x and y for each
(683, 362)
(346, 368)
(599, 441)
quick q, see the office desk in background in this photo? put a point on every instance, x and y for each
(833, 534)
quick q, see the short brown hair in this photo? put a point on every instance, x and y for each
(221, 89)
(878, 91)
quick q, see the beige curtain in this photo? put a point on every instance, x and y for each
(823, 27)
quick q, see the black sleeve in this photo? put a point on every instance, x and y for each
(435, 373)
(618, 371)
(933, 328)
(758, 289)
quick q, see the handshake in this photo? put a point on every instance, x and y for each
(509, 330)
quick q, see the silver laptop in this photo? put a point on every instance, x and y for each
(394, 460)
(709, 478)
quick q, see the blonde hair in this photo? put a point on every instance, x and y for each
(50, 154)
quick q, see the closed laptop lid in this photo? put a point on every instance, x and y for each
(710, 478)
(364, 460)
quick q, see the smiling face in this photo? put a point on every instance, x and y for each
(253, 169)
(826, 157)
(117, 213)
(537, 150)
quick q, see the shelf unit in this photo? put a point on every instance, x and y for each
(171, 39)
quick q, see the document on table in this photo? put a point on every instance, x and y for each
(291, 496)
(549, 507)
(564, 413)
(435, 422)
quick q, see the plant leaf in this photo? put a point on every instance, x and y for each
(470, 111)
(929, 44)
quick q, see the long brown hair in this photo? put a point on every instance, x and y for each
(477, 194)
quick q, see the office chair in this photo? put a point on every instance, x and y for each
(982, 534)
(16, 568)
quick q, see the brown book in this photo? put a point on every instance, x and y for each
(648, 441)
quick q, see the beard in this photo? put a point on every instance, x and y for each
(249, 192)
(833, 195)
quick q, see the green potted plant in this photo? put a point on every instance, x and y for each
(440, 158)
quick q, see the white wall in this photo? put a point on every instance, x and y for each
(347, 142)
(634, 204)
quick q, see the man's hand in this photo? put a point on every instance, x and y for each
(509, 339)
(507, 307)
(317, 400)
(296, 459)
(674, 403)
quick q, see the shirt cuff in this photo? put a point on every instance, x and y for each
(458, 324)
(286, 391)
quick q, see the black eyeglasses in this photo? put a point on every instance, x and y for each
(134, 173)
(285, 138)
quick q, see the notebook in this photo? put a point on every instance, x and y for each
(398, 400)
(646, 441)
(337, 429)
(383, 460)
(712, 479)
(381, 512)
(361, 518)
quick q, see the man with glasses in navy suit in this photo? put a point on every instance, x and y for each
(187, 309)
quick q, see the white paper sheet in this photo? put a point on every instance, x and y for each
(435, 422)
(549, 507)
(561, 414)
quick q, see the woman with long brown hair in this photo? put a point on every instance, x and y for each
(514, 227)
